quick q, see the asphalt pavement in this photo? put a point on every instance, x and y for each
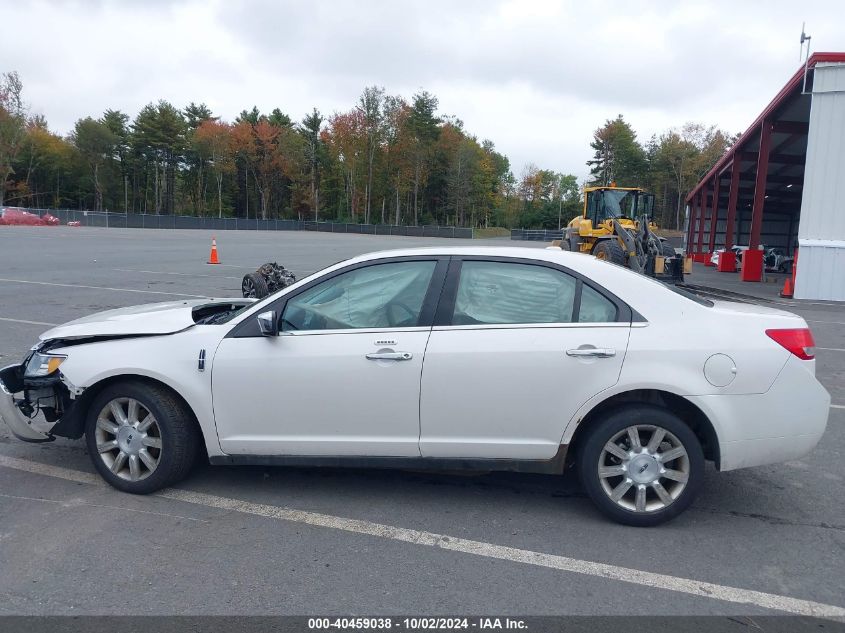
(244, 540)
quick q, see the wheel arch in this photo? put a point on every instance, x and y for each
(598, 239)
(613, 240)
(75, 426)
(688, 412)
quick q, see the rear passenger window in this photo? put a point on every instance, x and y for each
(595, 308)
(501, 292)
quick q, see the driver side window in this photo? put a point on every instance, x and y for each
(378, 296)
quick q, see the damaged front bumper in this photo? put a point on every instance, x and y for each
(23, 427)
(34, 417)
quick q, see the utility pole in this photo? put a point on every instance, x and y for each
(559, 212)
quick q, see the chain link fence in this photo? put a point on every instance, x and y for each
(536, 235)
(149, 221)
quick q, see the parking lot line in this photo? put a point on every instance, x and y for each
(149, 292)
(831, 349)
(25, 321)
(465, 546)
(837, 406)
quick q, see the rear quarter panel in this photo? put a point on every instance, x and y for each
(668, 350)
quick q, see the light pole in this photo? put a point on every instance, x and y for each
(559, 212)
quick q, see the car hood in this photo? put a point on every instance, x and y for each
(148, 319)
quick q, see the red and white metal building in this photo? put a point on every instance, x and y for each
(782, 184)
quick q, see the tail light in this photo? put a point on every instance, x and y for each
(798, 341)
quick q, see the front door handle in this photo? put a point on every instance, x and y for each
(596, 352)
(390, 356)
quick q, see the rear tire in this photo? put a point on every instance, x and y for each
(641, 465)
(254, 286)
(611, 251)
(140, 437)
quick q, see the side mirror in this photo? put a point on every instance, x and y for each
(268, 323)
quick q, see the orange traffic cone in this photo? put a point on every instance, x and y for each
(788, 288)
(212, 259)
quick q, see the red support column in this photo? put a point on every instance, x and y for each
(702, 206)
(727, 260)
(693, 224)
(714, 218)
(752, 259)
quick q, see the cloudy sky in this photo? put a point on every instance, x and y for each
(535, 77)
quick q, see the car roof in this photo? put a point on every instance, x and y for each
(496, 251)
(634, 288)
(577, 261)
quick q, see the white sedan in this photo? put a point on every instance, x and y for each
(481, 358)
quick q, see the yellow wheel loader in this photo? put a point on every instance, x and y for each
(616, 226)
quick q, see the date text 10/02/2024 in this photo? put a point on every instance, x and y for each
(416, 623)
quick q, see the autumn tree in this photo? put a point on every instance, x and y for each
(347, 148)
(95, 143)
(214, 144)
(464, 183)
(424, 127)
(118, 124)
(398, 160)
(44, 163)
(371, 104)
(158, 137)
(402, 157)
(256, 144)
(294, 169)
(680, 158)
(310, 130)
(194, 176)
(12, 125)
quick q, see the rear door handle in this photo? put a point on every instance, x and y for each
(390, 356)
(596, 352)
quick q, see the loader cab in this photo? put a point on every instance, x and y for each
(601, 204)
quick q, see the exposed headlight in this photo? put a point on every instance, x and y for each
(41, 365)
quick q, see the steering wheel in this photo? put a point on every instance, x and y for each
(394, 320)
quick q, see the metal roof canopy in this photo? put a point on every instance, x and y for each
(731, 201)
(789, 142)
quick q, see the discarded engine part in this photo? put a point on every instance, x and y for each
(269, 278)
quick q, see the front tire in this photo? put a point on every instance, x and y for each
(140, 437)
(641, 465)
(610, 250)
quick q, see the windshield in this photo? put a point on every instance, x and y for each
(604, 204)
(620, 203)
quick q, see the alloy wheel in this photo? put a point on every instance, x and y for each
(248, 288)
(643, 468)
(128, 439)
